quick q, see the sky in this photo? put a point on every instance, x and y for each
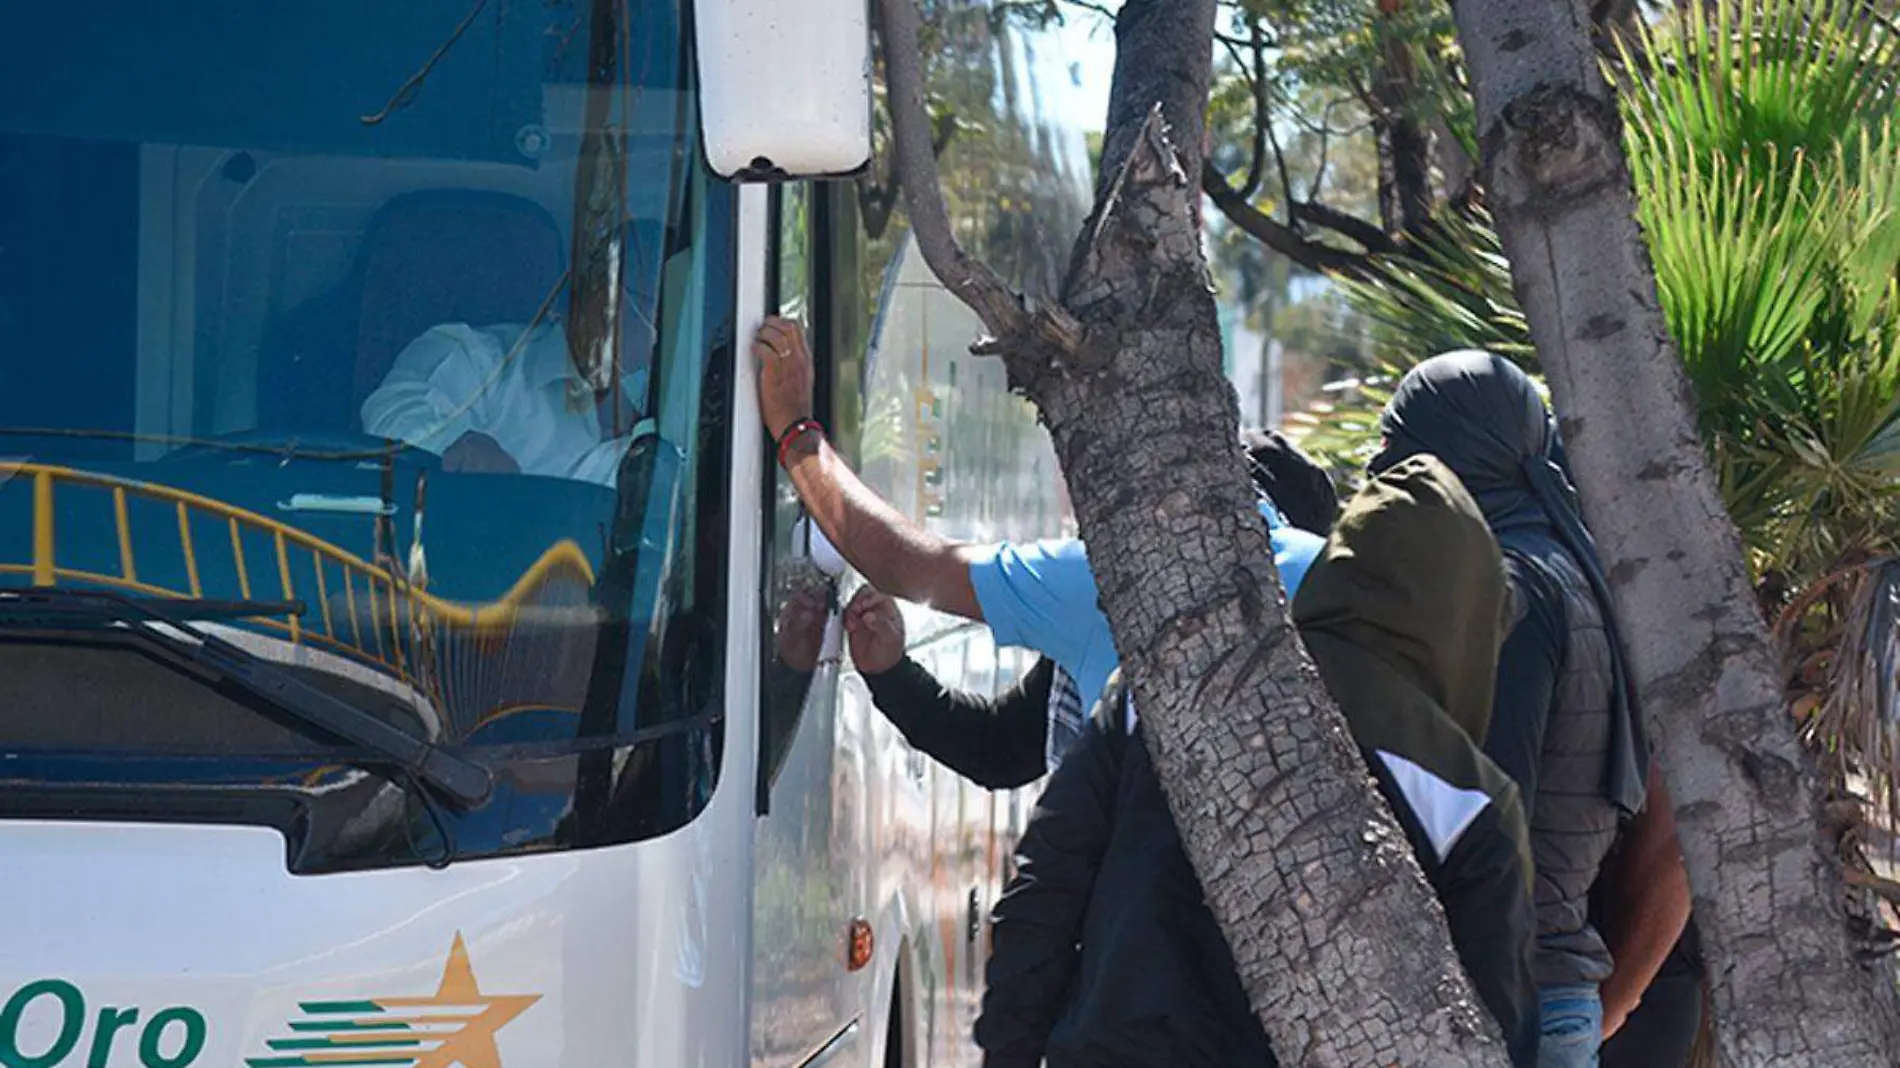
(1089, 41)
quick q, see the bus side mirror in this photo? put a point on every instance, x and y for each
(785, 88)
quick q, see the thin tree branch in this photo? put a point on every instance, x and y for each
(1407, 145)
(1004, 313)
(1324, 127)
(1263, 116)
(406, 93)
(1233, 45)
(1374, 108)
(1236, 204)
(1286, 176)
(1255, 72)
(876, 200)
(1276, 235)
(1375, 240)
(1325, 147)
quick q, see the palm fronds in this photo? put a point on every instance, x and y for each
(1860, 712)
(1453, 290)
(1764, 145)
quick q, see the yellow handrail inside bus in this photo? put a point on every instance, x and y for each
(379, 582)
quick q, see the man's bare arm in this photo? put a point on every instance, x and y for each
(1646, 903)
(890, 551)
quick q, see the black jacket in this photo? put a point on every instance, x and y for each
(1101, 866)
(999, 743)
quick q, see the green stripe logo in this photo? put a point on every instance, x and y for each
(454, 1026)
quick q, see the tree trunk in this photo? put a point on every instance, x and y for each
(1768, 894)
(1339, 941)
(1405, 143)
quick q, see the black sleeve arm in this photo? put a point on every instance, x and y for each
(1038, 921)
(1485, 889)
(1528, 668)
(998, 743)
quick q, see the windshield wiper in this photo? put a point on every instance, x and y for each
(151, 620)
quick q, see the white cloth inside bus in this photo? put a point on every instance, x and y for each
(456, 379)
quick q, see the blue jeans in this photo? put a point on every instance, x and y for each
(1573, 1027)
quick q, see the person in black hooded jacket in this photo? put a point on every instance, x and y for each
(1104, 951)
(1569, 727)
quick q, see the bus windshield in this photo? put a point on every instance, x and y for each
(398, 322)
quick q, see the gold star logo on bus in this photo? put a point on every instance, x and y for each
(454, 1027)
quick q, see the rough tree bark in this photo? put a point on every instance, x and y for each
(1768, 896)
(1340, 944)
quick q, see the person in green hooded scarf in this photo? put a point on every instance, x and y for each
(1104, 951)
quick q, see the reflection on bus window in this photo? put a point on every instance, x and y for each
(508, 398)
(799, 599)
(437, 372)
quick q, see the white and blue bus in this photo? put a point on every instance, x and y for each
(391, 558)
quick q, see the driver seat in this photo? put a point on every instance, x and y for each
(426, 258)
(451, 256)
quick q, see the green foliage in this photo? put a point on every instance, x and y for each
(1335, 45)
(1763, 144)
(1341, 431)
(1452, 292)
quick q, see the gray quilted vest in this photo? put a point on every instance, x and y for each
(1572, 824)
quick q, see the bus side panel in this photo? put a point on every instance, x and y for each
(946, 443)
(862, 825)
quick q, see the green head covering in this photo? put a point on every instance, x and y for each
(1403, 614)
(1407, 601)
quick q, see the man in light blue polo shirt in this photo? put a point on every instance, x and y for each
(1040, 596)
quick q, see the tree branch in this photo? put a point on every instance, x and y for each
(1375, 110)
(1256, 90)
(1286, 176)
(1264, 116)
(1255, 72)
(1407, 145)
(877, 200)
(1325, 147)
(1375, 240)
(1324, 127)
(1277, 236)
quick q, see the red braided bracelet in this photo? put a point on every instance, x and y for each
(798, 429)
